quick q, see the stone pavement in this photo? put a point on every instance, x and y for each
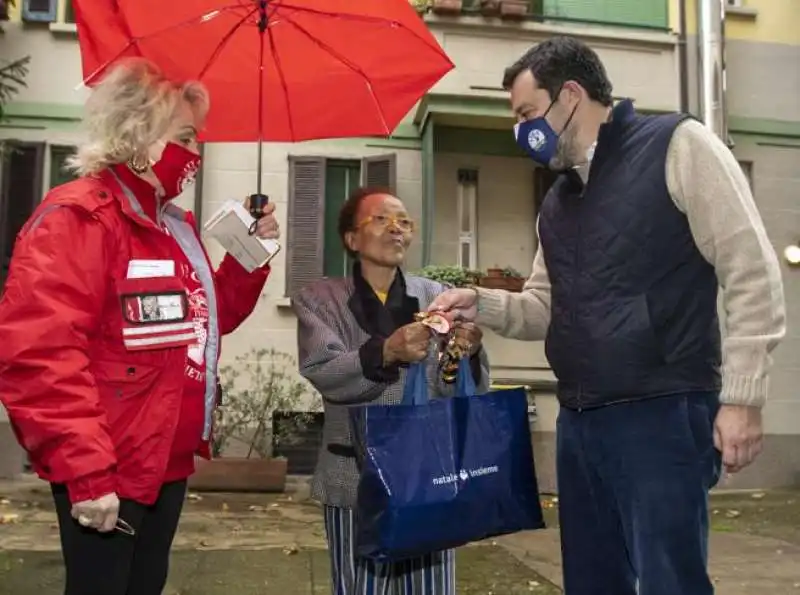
(740, 564)
(263, 540)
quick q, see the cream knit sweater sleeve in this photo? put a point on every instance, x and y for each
(707, 184)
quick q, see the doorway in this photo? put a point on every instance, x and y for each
(20, 192)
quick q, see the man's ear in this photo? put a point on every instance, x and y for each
(350, 241)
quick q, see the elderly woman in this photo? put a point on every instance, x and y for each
(355, 338)
(111, 324)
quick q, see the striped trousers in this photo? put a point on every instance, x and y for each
(433, 574)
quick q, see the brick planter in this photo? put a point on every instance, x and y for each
(514, 284)
(514, 9)
(452, 7)
(231, 474)
(490, 8)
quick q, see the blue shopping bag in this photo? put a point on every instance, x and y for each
(437, 474)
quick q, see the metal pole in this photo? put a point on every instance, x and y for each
(683, 57)
(711, 18)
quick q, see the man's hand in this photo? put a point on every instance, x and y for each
(462, 303)
(407, 344)
(738, 435)
(471, 334)
(267, 227)
(100, 514)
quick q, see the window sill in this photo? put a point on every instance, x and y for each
(741, 12)
(63, 28)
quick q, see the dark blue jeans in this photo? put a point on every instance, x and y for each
(633, 482)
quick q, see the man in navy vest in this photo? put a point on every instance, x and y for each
(650, 215)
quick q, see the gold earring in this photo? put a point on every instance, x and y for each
(139, 163)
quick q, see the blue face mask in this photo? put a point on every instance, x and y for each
(538, 139)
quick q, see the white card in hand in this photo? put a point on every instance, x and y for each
(230, 225)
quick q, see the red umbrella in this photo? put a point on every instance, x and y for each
(281, 70)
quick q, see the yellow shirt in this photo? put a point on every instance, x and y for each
(382, 295)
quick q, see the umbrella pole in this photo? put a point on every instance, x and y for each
(260, 159)
(262, 28)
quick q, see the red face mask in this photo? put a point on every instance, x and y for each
(176, 170)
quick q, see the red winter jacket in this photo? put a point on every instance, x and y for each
(94, 401)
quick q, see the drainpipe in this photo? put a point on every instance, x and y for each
(198, 190)
(711, 42)
(683, 57)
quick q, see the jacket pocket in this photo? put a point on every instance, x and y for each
(622, 349)
(124, 387)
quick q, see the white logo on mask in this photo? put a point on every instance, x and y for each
(188, 176)
(536, 139)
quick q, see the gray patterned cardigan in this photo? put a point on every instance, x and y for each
(341, 328)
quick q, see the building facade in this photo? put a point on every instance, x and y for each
(762, 55)
(453, 160)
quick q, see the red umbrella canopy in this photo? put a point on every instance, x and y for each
(280, 70)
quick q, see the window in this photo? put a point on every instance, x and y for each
(59, 12)
(341, 178)
(58, 172)
(317, 189)
(468, 219)
(20, 193)
(68, 12)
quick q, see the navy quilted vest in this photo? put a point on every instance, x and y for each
(634, 303)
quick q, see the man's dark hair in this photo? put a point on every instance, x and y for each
(561, 59)
(350, 208)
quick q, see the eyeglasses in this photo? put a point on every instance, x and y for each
(124, 527)
(404, 224)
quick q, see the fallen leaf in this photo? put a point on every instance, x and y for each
(291, 550)
(7, 519)
(204, 543)
(256, 508)
(193, 497)
(225, 507)
(733, 514)
(758, 496)
(5, 501)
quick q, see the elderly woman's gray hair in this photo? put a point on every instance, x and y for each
(130, 110)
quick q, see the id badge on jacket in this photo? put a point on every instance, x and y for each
(155, 313)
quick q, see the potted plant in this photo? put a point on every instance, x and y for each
(421, 6)
(255, 387)
(514, 9)
(447, 6)
(450, 275)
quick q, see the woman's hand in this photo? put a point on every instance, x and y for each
(470, 334)
(407, 344)
(267, 227)
(100, 514)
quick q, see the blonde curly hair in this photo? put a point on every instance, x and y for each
(129, 111)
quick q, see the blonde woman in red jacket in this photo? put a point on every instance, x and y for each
(111, 324)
